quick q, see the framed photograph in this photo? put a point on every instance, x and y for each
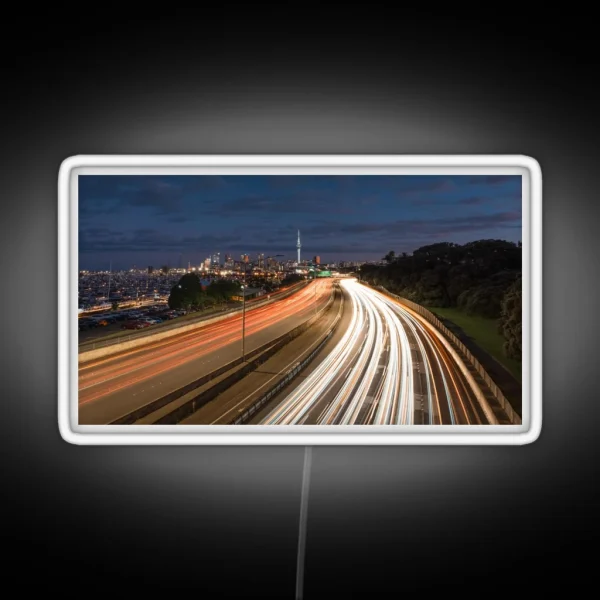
(308, 300)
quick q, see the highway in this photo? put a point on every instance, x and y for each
(390, 367)
(113, 386)
(242, 394)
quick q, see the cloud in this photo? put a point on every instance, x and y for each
(493, 179)
(472, 200)
(331, 238)
(430, 226)
(369, 201)
(146, 240)
(429, 201)
(99, 195)
(310, 201)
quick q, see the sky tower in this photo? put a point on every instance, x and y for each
(298, 245)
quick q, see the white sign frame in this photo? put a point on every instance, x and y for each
(305, 435)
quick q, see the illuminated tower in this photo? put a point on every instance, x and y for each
(298, 245)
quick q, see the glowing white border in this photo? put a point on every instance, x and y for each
(525, 433)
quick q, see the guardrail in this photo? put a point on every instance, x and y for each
(514, 418)
(290, 375)
(172, 327)
(253, 359)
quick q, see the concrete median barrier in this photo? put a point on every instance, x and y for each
(288, 377)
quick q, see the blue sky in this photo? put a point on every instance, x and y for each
(157, 220)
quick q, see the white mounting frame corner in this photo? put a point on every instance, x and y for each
(302, 435)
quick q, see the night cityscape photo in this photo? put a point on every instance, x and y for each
(300, 299)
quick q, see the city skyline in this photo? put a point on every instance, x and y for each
(160, 220)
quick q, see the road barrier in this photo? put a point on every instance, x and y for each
(514, 418)
(253, 359)
(93, 350)
(290, 375)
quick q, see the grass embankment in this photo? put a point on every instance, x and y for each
(484, 333)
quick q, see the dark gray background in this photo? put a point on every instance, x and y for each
(415, 519)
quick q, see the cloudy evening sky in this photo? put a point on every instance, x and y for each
(158, 220)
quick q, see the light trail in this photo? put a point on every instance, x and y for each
(106, 376)
(387, 355)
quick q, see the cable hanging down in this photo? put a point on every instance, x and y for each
(303, 521)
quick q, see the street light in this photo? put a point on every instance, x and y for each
(243, 322)
(315, 278)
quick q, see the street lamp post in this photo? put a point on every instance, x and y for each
(109, 276)
(243, 323)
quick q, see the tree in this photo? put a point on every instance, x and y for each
(208, 301)
(472, 276)
(222, 290)
(389, 257)
(485, 298)
(187, 292)
(510, 322)
(292, 278)
(114, 305)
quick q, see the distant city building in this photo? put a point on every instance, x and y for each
(216, 259)
(317, 260)
(206, 264)
(348, 264)
(298, 246)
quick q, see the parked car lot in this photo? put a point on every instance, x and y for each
(101, 325)
(127, 321)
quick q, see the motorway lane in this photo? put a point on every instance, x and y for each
(114, 386)
(241, 395)
(98, 334)
(390, 367)
(328, 347)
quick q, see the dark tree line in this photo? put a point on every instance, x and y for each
(292, 278)
(510, 320)
(480, 278)
(187, 293)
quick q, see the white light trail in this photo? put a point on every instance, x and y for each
(370, 376)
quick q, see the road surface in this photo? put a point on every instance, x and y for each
(242, 395)
(389, 367)
(114, 386)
